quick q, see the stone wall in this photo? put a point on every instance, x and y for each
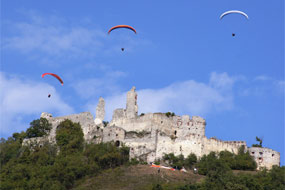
(265, 157)
(216, 145)
(91, 132)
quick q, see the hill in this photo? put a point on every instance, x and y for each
(140, 177)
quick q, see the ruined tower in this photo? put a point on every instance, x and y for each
(100, 111)
(132, 107)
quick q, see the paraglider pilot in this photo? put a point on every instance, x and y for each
(49, 95)
(122, 49)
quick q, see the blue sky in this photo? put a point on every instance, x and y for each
(183, 59)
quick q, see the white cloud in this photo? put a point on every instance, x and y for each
(263, 85)
(53, 38)
(187, 97)
(87, 88)
(20, 98)
(91, 87)
(262, 78)
(280, 86)
(223, 80)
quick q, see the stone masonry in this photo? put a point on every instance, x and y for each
(100, 112)
(152, 135)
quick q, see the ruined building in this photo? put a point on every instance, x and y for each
(152, 135)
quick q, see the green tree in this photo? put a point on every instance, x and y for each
(157, 187)
(174, 161)
(38, 128)
(243, 161)
(228, 158)
(69, 137)
(211, 162)
(260, 140)
(190, 160)
(11, 147)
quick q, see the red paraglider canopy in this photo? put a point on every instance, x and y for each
(56, 76)
(122, 26)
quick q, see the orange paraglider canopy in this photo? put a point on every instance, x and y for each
(122, 26)
(55, 75)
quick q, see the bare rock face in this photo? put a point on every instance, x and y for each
(132, 107)
(100, 111)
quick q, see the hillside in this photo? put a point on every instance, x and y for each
(140, 177)
(73, 164)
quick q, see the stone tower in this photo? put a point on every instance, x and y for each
(100, 111)
(132, 107)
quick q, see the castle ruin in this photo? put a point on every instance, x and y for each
(152, 135)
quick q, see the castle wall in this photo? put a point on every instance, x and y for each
(113, 134)
(85, 119)
(265, 157)
(216, 145)
(39, 141)
(150, 136)
(177, 146)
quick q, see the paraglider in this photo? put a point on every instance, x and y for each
(54, 75)
(122, 26)
(234, 11)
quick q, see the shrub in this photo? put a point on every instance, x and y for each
(168, 114)
(105, 123)
(190, 160)
(69, 137)
(38, 128)
(174, 161)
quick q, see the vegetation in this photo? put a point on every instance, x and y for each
(241, 161)
(174, 161)
(179, 162)
(38, 128)
(71, 163)
(260, 142)
(229, 161)
(168, 114)
(105, 123)
(46, 168)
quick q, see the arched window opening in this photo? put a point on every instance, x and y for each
(175, 132)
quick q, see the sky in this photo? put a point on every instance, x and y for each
(183, 59)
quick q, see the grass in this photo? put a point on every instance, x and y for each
(140, 177)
